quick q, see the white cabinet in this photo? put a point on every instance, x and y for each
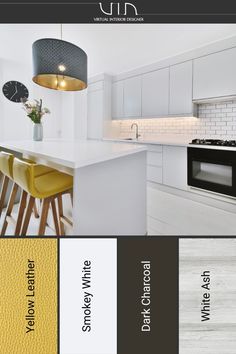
(154, 163)
(154, 158)
(154, 174)
(126, 98)
(155, 93)
(175, 166)
(181, 89)
(160, 93)
(132, 97)
(214, 75)
(167, 165)
(95, 114)
(118, 100)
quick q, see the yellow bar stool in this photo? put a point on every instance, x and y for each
(8, 170)
(47, 187)
(6, 164)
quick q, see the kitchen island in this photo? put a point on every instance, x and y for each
(109, 196)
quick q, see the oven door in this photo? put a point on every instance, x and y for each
(213, 170)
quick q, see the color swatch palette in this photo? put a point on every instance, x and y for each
(117, 295)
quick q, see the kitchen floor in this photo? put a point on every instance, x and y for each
(34, 223)
(168, 214)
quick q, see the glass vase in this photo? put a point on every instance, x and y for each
(38, 132)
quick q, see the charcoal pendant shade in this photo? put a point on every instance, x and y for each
(59, 65)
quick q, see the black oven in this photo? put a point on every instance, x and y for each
(213, 170)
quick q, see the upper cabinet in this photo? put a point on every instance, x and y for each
(155, 93)
(126, 98)
(181, 82)
(132, 97)
(173, 87)
(118, 100)
(214, 75)
(161, 93)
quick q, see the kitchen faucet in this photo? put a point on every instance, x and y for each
(137, 134)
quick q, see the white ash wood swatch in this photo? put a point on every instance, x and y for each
(218, 335)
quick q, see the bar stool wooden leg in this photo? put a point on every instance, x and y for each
(35, 210)
(28, 215)
(60, 210)
(21, 211)
(55, 218)
(9, 208)
(44, 216)
(5, 183)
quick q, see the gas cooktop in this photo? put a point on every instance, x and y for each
(215, 142)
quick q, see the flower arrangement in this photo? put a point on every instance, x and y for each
(34, 110)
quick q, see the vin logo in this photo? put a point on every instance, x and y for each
(117, 9)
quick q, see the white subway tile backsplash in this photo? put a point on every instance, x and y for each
(221, 105)
(215, 120)
(226, 110)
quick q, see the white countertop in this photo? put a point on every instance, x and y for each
(73, 154)
(157, 141)
(170, 140)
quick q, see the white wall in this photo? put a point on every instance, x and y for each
(13, 120)
(53, 100)
(1, 105)
(68, 118)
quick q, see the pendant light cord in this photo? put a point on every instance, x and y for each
(57, 84)
(61, 31)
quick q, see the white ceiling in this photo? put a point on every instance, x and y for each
(114, 48)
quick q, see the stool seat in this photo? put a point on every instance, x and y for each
(6, 163)
(40, 181)
(6, 166)
(46, 184)
(51, 184)
(36, 182)
(40, 170)
(6, 170)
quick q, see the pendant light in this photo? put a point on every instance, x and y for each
(59, 65)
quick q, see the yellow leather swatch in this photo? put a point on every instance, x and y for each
(28, 296)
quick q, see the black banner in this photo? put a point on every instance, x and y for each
(74, 11)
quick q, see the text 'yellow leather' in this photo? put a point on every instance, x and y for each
(28, 296)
